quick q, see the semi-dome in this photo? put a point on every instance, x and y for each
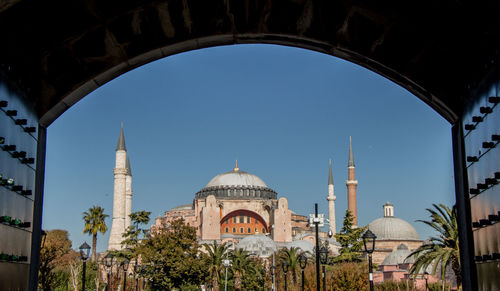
(258, 244)
(237, 184)
(399, 256)
(392, 228)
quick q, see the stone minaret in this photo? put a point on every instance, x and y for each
(128, 193)
(351, 184)
(119, 196)
(331, 201)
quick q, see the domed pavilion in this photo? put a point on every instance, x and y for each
(391, 232)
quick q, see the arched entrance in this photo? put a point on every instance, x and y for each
(445, 53)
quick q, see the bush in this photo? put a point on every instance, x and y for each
(349, 276)
(393, 285)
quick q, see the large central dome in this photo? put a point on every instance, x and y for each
(237, 184)
(236, 178)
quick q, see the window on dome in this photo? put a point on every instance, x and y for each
(241, 229)
(227, 220)
(242, 219)
(248, 219)
(235, 219)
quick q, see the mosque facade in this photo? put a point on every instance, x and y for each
(239, 207)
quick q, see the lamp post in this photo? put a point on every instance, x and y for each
(124, 266)
(323, 254)
(369, 243)
(84, 255)
(108, 262)
(302, 264)
(284, 265)
(263, 272)
(273, 271)
(426, 276)
(226, 263)
(44, 236)
(316, 226)
(136, 272)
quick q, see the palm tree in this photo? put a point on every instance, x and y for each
(216, 254)
(241, 266)
(94, 223)
(291, 256)
(441, 250)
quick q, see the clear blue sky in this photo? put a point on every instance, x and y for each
(281, 111)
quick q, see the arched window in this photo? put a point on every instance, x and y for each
(264, 231)
(227, 229)
(249, 230)
(234, 229)
(241, 229)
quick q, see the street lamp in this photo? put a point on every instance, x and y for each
(44, 236)
(426, 276)
(136, 272)
(108, 262)
(124, 266)
(284, 265)
(323, 255)
(263, 272)
(84, 255)
(226, 263)
(302, 264)
(369, 242)
(273, 271)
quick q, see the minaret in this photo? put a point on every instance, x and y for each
(351, 184)
(128, 193)
(119, 193)
(331, 201)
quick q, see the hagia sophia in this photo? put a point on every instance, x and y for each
(239, 207)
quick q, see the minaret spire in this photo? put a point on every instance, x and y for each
(351, 155)
(236, 169)
(120, 146)
(331, 202)
(330, 177)
(351, 184)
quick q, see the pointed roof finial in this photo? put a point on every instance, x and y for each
(236, 169)
(351, 155)
(330, 177)
(127, 166)
(121, 141)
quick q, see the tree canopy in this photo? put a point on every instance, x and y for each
(350, 240)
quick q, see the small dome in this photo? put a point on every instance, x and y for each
(304, 245)
(183, 207)
(258, 244)
(398, 256)
(236, 178)
(393, 228)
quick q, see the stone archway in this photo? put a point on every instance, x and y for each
(446, 53)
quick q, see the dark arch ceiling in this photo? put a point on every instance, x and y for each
(58, 51)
